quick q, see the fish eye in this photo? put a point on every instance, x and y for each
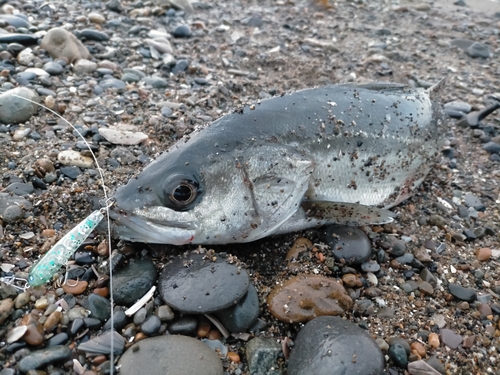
(181, 192)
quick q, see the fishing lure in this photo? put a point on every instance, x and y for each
(59, 255)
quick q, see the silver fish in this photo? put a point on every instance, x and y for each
(335, 154)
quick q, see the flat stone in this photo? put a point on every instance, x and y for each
(461, 293)
(122, 137)
(348, 243)
(194, 284)
(170, 355)
(74, 158)
(331, 345)
(421, 367)
(99, 307)
(102, 344)
(305, 297)
(450, 338)
(44, 357)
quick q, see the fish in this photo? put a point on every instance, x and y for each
(337, 154)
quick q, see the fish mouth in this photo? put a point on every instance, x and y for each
(130, 227)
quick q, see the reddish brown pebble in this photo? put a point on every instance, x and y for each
(484, 310)
(75, 287)
(434, 340)
(233, 357)
(48, 232)
(140, 336)
(34, 334)
(468, 341)
(103, 248)
(103, 292)
(305, 297)
(99, 360)
(52, 321)
(203, 329)
(418, 348)
(352, 281)
(299, 246)
(214, 334)
(483, 254)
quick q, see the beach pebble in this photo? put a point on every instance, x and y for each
(348, 243)
(14, 110)
(193, 284)
(185, 325)
(262, 356)
(182, 31)
(99, 307)
(74, 158)
(122, 137)
(60, 43)
(461, 293)
(75, 287)
(96, 18)
(241, 316)
(151, 325)
(6, 307)
(305, 297)
(398, 355)
(450, 338)
(170, 355)
(102, 344)
(332, 345)
(44, 357)
(477, 49)
(12, 214)
(84, 67)
(131, 282)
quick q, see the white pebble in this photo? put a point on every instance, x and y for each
(20, 133)
(71, 157)
(122, 137)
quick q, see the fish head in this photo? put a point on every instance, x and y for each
(196, 194)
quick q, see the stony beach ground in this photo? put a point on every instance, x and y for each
(421, 296)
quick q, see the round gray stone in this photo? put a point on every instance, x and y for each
(348, 243)
(240, 317)
(197, 285)
(330, 345)
(13, 109)
(133, 281)
(170, 355)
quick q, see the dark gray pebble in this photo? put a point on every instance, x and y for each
(202, 287)
(329, 344)
(20, 188)
(253, 21)
(90, 34)
(170, 355)
(155, 82)
(112, 83)
(461, 293)
(15, 20)
(84, 257)
(38, 183)
(397, 354)
(166, 111)
(53, 68)
(180, 66)
(71, 172)
(59, 339)
(92, 323)
(13, 214)
(492, 147)
(76, 326)
(185, 325)
(25, 39)
(478, 50)
(140, 316)
(120, 320)
(182, 31)
(44, 357)
(370, 267)
(100, 307)
(348, 243)
(133, 281)
(405, 259)
(241, 316)
(151, 325)
(457, 106)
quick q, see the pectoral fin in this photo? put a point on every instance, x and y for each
(346, 213)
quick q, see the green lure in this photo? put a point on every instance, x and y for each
(59, 255)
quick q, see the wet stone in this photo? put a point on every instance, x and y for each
(151, 325)
(180, 66)
(100, 307)
(305, 297)
(131, 282)
(262, 356)
(185, 325)
(203, 286)
(44, 357)
(397, 354)
(170, 355)
(92, 323)
(90, 34)
(348, 243)
(165, 313)
(370, 267)
(240, 317)
(461, 293)
(119, 320)
(182, 31)
(140, 316)
(328, 345)
(59, 339)
(102, 344)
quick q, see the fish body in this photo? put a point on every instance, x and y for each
(334, 154)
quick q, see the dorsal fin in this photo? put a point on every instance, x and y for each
(436, 90)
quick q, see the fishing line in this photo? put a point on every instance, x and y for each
(82, 230)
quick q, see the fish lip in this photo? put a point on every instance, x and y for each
(136, 229)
